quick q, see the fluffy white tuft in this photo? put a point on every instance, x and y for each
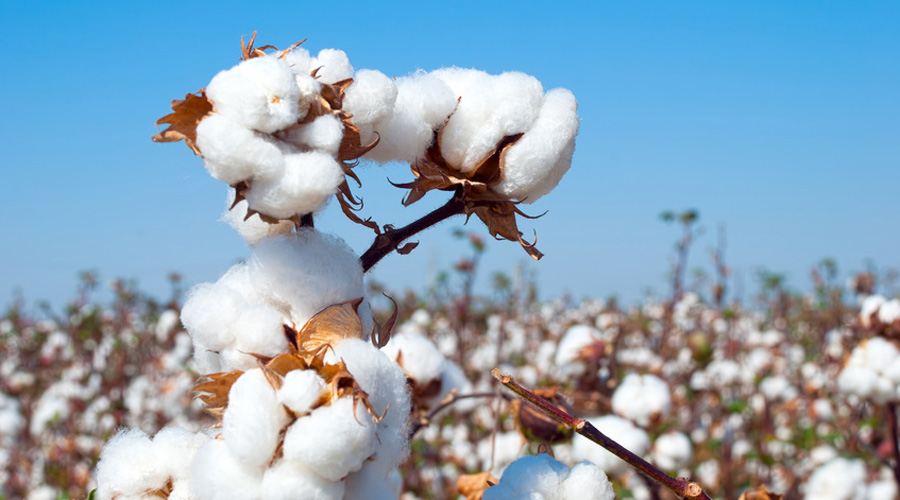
(259, 93)
(253, 419)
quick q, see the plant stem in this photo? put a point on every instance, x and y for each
(391, 239)
(681, 486)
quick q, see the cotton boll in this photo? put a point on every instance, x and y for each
(405, 134)
(300, 389)
(253, 419)
(322, 134)
(530, 477)
(839, 479)
(309, 89)
(209, 314)
(889, 311)
(385, 383)
(300, 61)
(570, 346)
(128, 466)
(303, 273)
(534, 165)
(870, 306)
(175, 448)
(490, 108)
(430, 96)
(370, 98)
(307, 181)
(232, 153)
(376, 480)
(217, 475)
(641, 398)
(291, 480)
(618, 429)
(335, 66)
(260, 330)
(333, 440)
(252, 229)
(260, 93)
(418, 356)
(672, 451)
(586, 480)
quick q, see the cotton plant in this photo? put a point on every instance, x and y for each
(307, 404)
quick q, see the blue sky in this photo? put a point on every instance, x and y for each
(778, 120)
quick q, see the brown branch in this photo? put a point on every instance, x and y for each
(391, 239)
(895, 447)
(682, 487)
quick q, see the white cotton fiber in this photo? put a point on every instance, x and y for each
(541, 477)
(209, 313)
(302, 273)
(491, 108)
(404, 134)
(535, 164)
(300, 389)
(216, 475)
(260, 330)
(322, 134)
(233, 153)
(889, 311)
(309, 89)
(175, 447)
(370, 98)
(641, 398)
(385, 383)
(331, 440)
(376, 480)
(672, 451)
(418, 356)
(839, 479)
(291, 480)
(259, 93)
(307, 181)
(128, 466)
(618, 429)
(254, 228)
(253, 419)
(870, 305)
(335, 66)
(573, 342)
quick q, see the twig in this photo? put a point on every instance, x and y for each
(391, 239)
(681, 486)
(451, 398)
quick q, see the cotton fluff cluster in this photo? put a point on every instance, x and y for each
(287, 279)
(482, 109)
(876, 309)
(132, 465)
(872, 371)
(641, 398)
(672, 451)
(540, 477)
(269, 132)
(276, 445)
(433, 376)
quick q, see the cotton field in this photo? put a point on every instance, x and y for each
(292, 377)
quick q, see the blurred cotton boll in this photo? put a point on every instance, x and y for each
(642, 398)
(540, 477)
(619, 430)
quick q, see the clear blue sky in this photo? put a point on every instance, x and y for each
(780, 120)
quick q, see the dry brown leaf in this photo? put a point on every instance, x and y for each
(330, 326)
(472, 486)
(216, 389)
(187, 114)
(381, 334)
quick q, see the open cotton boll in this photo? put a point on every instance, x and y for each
(839, 479)
(333, 440)
(573, 342)
(259, 93)
(209, 314)
(586, 480)
(620, 430)
(291, 480)
(309, 89)
(370, 97)
(541, 477)
(335, 66)
(418, 356)
(535, 164)
(385, 383)
(260, 330)
(869, 306)
(490, 108)
(175, 448)
(302, 273)
(323, 134)
(307, 181)
(672, 451)
(300, 389)
(233, 153)
(641, 398)
(889, 311)
(128, 466)
(253, 419)
(404, 134)
(252, 229)
(217, 475)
